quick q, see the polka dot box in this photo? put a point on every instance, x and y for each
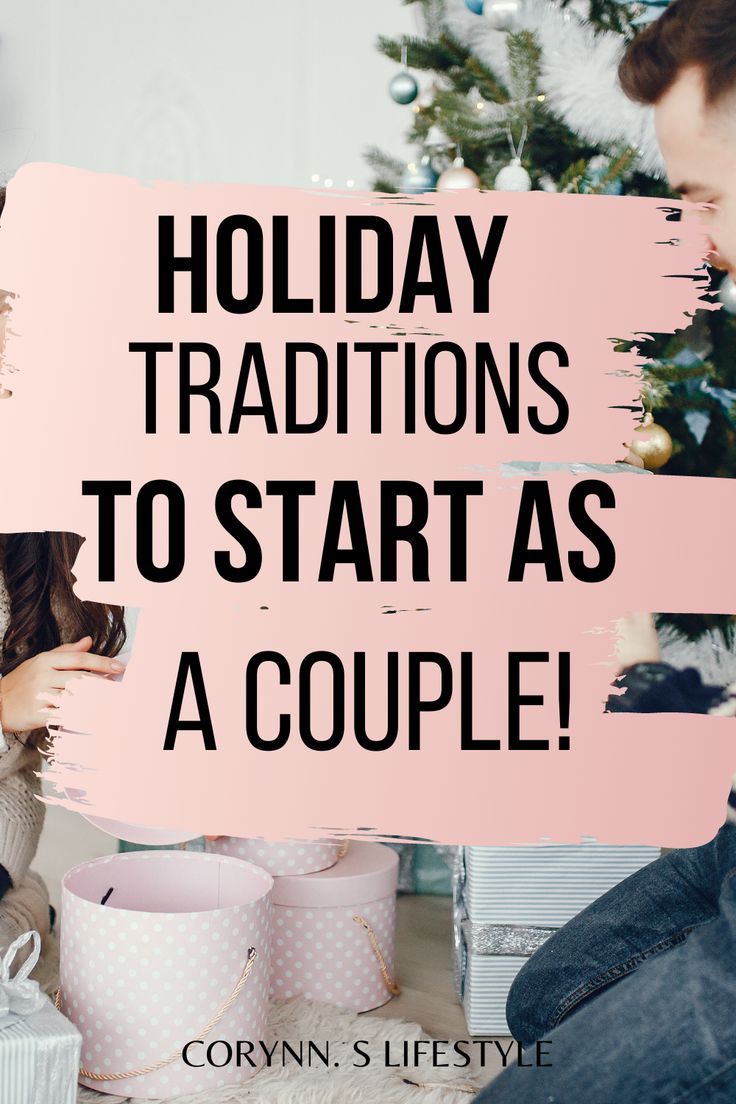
(319, 950)
(144, 973)
(287, 857)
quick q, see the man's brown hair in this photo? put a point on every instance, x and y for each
(698, 33)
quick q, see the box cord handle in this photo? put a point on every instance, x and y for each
(91, 1076)
(393, 987)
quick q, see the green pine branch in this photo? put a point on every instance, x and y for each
(524, 65)
(383, 162)
(440, 55)
(478, 75)
(619, 167)
(573, 176)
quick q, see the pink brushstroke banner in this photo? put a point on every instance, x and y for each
(79, 251)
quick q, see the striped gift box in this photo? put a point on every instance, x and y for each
(508, 900)
(488, 979)
(544, 884)
(39, 1059)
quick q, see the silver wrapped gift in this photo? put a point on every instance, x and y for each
(507, 901)
(487, 959)
(39, 1048)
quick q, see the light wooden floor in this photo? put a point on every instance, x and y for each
(424, 956)
(424, 969)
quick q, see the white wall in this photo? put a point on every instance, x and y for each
(262, 91)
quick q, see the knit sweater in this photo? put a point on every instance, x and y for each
(21, 813)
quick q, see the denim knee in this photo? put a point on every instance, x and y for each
(526, 1003)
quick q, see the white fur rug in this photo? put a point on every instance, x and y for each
(374, 1084)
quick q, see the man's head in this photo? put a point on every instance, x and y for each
(685, 65)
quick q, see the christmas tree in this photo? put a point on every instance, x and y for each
(520, 94)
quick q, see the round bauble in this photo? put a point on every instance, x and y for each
(419, 178)
(513, 178)
(727, 294)
(458, 177)
(651, 443)
(403, 88)
(476, 6)
(504, 15)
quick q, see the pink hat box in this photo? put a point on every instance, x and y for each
(334, 931)
(179, 952)
(281, 858)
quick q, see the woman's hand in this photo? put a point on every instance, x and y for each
(25, 693)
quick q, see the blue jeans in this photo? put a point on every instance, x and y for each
(637, 994)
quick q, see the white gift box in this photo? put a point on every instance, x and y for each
(39, 1048)
(509, 900)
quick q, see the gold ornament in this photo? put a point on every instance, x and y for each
(652, 444)
(457, 177)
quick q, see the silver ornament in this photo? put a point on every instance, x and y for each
(726, 293)
(457, 177)
(513, 178)
(504, 15)
(403, 88)
(419, 178)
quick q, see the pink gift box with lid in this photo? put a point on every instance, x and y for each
(334, 931)
(281, 858)
(167, 960)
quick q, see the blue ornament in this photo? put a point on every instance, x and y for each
(419, 178)
(476, 6)
(403, 88)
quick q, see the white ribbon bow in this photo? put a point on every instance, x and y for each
(19, 995)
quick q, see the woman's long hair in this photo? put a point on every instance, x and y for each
(39, 580)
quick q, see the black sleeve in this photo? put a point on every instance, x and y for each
(6, 882)
(662, 688)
